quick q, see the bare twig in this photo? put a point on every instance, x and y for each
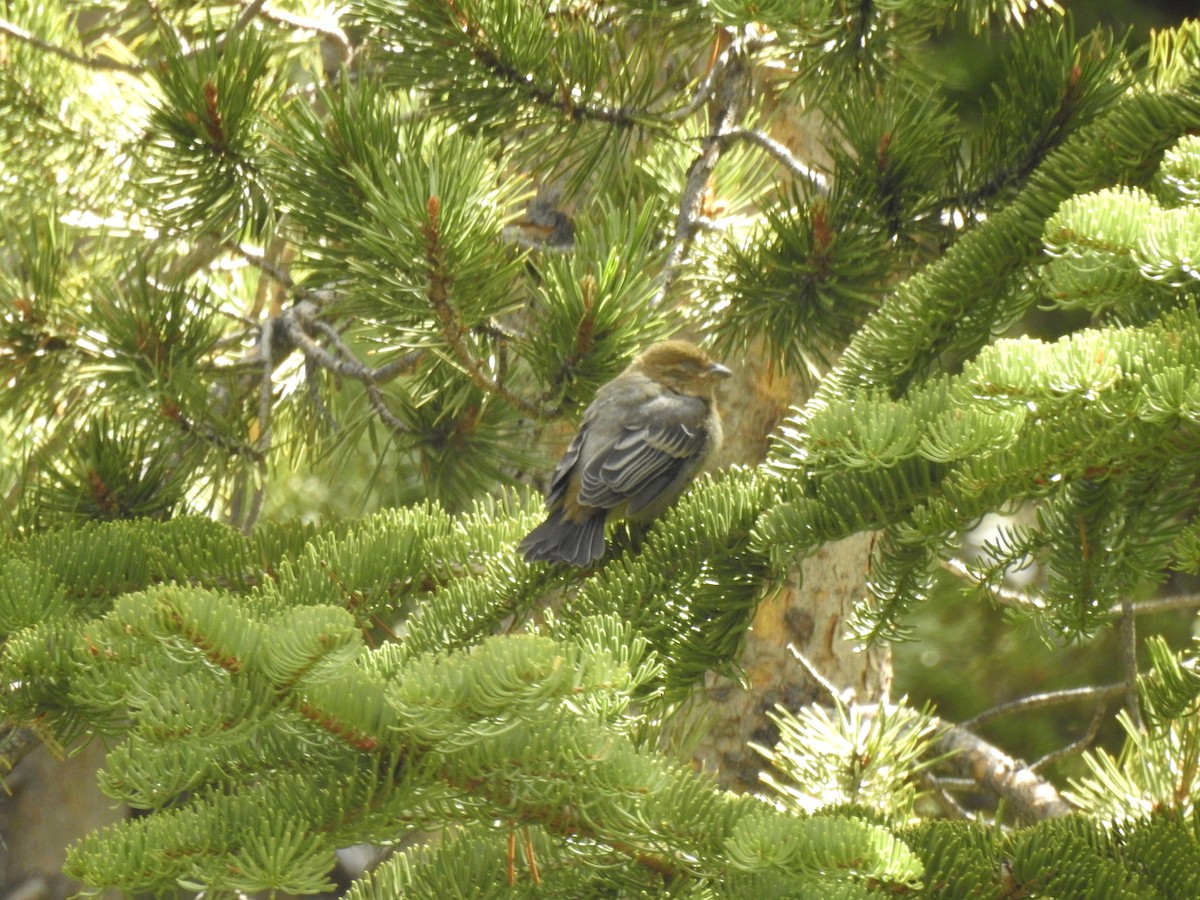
(704, 90)
(262, 442)
(1163, 604)
(389, 418)
(782, 154)
(731, 90)
(1075, 746)
(304, 23)
(1032, 603)
(1004, 596)
(249, 11)
(816, 676)
(92, 62)
(938, 789)
(1128, 631)
(1101, 694)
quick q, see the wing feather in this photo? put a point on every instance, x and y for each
(647, 457)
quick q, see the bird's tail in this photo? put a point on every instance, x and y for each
(560, 540)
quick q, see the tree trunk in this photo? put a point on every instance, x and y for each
(808, 612)
(52, 803)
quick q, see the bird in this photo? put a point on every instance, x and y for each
(644, 437)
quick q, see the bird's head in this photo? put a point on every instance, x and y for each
(682, 367)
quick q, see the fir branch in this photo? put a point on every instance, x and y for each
(92, 62)
(976, 269)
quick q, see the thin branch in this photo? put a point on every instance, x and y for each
(1018, 600)
(1101, 694)
(342, 361)
(782, 154)
(389, 418)
(1163, 604)
(732, 93)
(704, 90)
(1004, 596)
(452, 327)
(816, 675)
(249, 11)
(91, 62)
(938, 790)
(1075, 746)
(1128, 632)
(164, 21)
(304, 23)
(1024, 790)
(262, 443)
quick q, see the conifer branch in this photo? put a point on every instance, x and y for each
(452, 328)
(557, 98)
(1032, 603)
(92, 62)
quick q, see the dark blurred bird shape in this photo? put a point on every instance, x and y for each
(644, 437)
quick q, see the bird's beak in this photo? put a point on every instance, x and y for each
(716, 370)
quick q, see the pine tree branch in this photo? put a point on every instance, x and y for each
(91, 62)
(452, 328)
(526, 85)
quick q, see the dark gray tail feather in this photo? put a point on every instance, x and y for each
(558, 540)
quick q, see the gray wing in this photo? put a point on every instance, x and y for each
(642, 463)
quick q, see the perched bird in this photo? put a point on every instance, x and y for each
(644, 437)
